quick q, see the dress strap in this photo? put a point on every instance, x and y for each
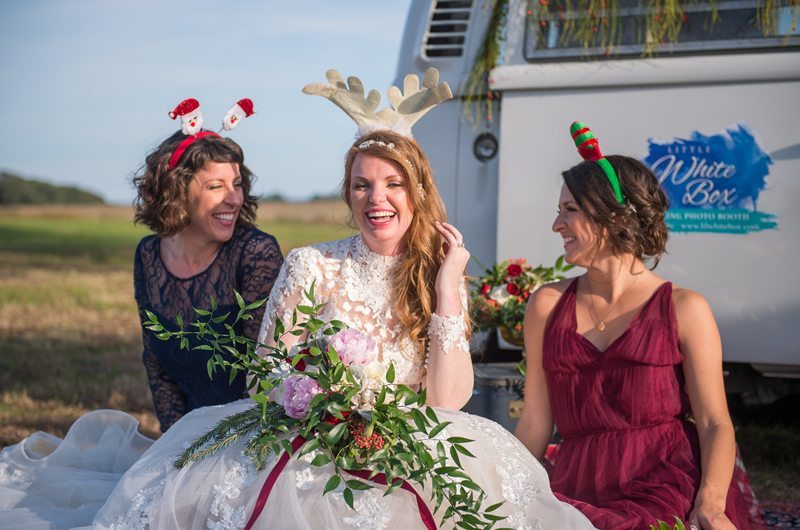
(563, 313)
(666, 309)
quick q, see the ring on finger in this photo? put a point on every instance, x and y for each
(460, 244)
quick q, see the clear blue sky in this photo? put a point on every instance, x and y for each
(87, 84)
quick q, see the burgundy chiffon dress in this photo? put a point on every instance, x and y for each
(629, 456)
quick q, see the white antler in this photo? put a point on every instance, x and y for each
(408, 106)
(414, 102)
(348, 97)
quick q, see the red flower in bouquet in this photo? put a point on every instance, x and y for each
(514, 270)
(512, 289)
(300, 365)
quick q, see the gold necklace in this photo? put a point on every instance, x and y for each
(601, 325)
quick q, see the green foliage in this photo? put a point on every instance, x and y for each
(17, 190)
(661, 525)
(350, 424)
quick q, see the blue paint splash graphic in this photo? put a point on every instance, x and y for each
(713, 182)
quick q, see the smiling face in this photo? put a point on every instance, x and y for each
(378, 198)
(214, 199)
(577, 230)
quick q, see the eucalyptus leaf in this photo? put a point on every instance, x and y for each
(332, 483)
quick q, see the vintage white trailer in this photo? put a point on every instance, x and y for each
(716, 115)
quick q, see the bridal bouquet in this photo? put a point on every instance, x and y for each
(331, 397)
(499, 297)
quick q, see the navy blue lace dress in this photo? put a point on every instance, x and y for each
(248, 263)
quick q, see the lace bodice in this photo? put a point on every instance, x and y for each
(354, 284)
(248, 263)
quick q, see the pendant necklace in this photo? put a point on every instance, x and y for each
(601, 324)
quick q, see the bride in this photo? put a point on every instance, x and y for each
(400, 280)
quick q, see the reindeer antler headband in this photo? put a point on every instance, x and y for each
(192, 123)
(408, 106)
(589, 149)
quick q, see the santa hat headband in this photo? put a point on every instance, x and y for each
(192, 123)
(589, 149)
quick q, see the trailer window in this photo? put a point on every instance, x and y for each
(557, 34)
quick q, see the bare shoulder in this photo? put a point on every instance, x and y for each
(694, 316)
(545, 298)
(688, 302)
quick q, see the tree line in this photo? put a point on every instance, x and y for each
(17, 190)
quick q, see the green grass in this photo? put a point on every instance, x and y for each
(70, 242)
(111, 242)
(69, 331)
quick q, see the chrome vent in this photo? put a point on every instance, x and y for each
(447, 31)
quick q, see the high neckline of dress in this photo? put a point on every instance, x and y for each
(368, 257)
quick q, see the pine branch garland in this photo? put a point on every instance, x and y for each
(227, 431)
(478, 97)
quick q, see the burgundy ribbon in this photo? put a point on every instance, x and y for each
(424, 512)
(271, 479)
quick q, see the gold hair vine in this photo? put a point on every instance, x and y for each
(391, 147)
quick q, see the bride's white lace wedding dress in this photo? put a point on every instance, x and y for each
(220, 491)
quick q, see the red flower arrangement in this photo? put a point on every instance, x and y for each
(499, 297)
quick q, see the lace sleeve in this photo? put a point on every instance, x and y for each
(449, 333)
(168, 401)
(259, 266)
(297, 274)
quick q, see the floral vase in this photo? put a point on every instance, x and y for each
(512, 336)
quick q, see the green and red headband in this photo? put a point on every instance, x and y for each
(589, 149)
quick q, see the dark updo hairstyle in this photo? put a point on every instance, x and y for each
(634, 227)
(161, 193)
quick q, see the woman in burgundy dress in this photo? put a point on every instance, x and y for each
(627, 365)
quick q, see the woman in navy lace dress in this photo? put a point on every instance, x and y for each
(194, 194)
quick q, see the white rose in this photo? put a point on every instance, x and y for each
(374, 375)
(500, 294)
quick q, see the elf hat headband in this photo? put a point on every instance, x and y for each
(192, 123)
(589, 149)
(408, 106)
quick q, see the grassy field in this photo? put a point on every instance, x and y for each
(69, 332)
(70, 338)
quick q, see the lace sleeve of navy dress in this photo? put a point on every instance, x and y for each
(248, 263)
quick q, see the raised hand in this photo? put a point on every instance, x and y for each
(451, 271)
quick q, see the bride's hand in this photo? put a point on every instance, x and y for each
(451, 272)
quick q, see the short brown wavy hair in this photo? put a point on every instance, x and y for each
(161, 193)
(635, 227)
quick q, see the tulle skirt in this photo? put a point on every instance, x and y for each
(50, 483)
(221, 490)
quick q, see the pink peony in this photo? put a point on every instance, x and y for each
(354, 347)
(295, 394)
